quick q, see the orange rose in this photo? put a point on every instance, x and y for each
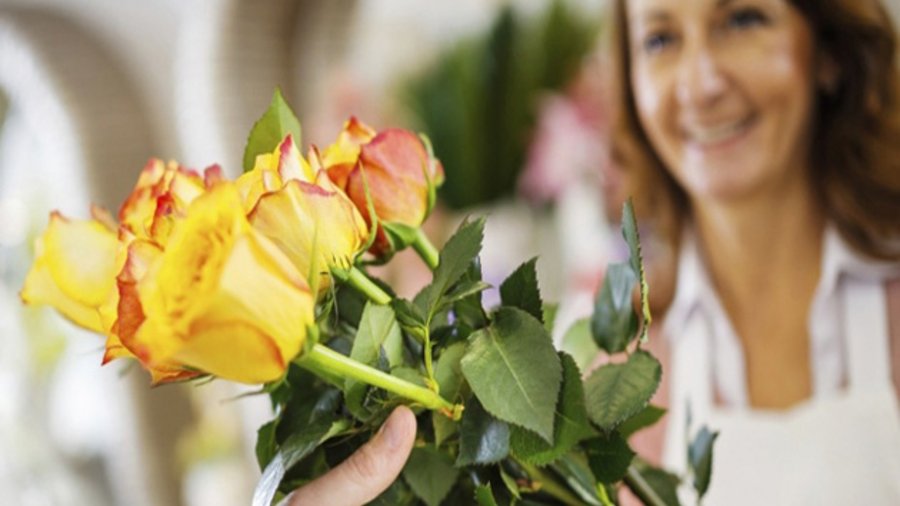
(400, 176)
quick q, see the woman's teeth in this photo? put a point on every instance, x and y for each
(718, 133)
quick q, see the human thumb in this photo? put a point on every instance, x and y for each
(369, 471)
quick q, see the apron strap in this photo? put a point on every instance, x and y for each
(864, 310)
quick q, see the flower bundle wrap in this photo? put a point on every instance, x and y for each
(262, 280)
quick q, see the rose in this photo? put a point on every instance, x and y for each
(221, 298)
(86, 268)
(75, 268)
(395, 172)
(304, 213)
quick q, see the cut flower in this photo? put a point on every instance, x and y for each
(222, 298)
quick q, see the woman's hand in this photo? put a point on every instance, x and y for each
(369, 471)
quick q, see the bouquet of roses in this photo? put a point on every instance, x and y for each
(262, 280)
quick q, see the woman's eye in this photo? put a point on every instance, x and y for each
(656, 42)
(746, 18)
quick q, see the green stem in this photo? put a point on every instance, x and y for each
(550, 486)
(426, 250)
(367, 287)
(322, 359)
(641, 488)
(603, 495)
(429, 368)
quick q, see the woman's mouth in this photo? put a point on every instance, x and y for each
(718, 134)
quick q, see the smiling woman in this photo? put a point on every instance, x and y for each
(762, 139)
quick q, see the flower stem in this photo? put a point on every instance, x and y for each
(426, 250)
(322, 359)
(367, 287)
(641, 488)
(550, 486)
(429, 368)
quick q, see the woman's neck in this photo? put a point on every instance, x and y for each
(761, 243)
(763, 256)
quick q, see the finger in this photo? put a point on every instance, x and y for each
(369, 471)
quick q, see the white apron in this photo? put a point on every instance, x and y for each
(837, 449)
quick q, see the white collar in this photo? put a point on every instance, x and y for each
(695, 289)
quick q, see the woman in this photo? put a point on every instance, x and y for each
(763, 140)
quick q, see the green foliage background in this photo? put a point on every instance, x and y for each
(477, 103)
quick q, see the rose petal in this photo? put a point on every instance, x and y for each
(74, 269)
(306, 220)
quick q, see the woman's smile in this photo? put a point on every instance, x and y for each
(716, 136)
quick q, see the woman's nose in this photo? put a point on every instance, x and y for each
(700, 78)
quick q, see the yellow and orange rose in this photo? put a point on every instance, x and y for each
(394, 170)
(304, 213)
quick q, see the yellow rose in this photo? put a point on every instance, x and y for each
(306, 215)
(221, 298)
(81, 267)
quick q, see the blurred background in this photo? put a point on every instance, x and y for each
(511, 93)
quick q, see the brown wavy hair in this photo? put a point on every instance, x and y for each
(855, 153)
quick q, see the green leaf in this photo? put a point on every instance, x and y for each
(663, 483)
(270, 129)
(458, 253)
(579, 343)
(632, 237)
(448, 371)
(266, 446)
(515, 372)
(521, 290)
(609, 457)
(293, 450)
(443, 428)
(484, 496)
(469, 310)
(615, 392)
(448, 374)
(614, 323)
(462, 290)
(570, 427)
(483, 439)
(549, 316)
(377, 340)
(310, 400)
(700, 454)
(643, 419)
(510, 484)
(397, 494)
(410, 317)
(574, 468)
(378, 330)
(430, 474)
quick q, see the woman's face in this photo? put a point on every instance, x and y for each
(725, 91)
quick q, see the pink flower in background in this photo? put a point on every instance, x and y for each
(567, 144)
(571, 143)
